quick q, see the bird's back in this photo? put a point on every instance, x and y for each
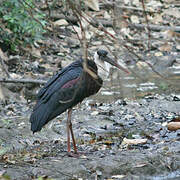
(63, 91)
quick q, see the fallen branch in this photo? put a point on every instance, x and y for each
(34, 81)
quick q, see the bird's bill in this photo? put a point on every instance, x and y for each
(114, 63)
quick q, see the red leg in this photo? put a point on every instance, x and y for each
(73, 139)
(69, 130)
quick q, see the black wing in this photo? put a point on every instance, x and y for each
(57, 81)
(50, 96)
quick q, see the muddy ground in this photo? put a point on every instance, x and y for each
(100, 128)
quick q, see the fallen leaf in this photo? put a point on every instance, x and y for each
(140, 165)
(157, 54)
(126, 31)
(99, 173)
(35, 52)
(169, 34)
(94, 113)
(3, 56)
(164, 124)
(61, 22)
(134, 19)
(141, 64)
(2, 97)
(134, 141)
(154, 4)
(173, 126)
(15, 76)
(127, 2)
(108, 142)
(157, 19)
(92, 141)
(106, 15)
(165, 47)
(107, 93)
(136, 3)
(178, 47)
(119, 176)
(93, 4)
(78, 31)
(172, 12)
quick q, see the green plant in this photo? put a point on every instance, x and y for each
(22, 22)
(163, 86)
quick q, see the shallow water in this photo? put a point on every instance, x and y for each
(141, 84)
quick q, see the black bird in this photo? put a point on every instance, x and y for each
(65, 90)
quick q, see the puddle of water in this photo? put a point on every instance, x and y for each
(173, 175)
(143, 84)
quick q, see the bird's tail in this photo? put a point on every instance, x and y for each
(39, 117)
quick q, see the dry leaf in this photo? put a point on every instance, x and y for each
(106, 15)
(3, 56)
(1, 94)
(35, 52)
(94, 113)
(157, 54)
(173, 126)
(165, 47)
(164, 124)
(126, 31)
(140, 165)
(61, 22)
(136, 3)
(78, 31)
(154, 4)
(119, 176)
(134, 141)
(178, 47)
(108, 142)
(134, 19)
(157, 19)
(168, 34)
(141, 64)
(93, 4)
(127, 2)
(172, 12)
(15, 76)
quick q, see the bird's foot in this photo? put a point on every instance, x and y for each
(76, 154)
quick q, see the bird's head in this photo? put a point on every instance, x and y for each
(102, 60)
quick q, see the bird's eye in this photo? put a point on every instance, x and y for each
(102, 53)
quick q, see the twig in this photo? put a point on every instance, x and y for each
(34, 81)
(147, 23)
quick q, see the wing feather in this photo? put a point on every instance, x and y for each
(60, 78)
(55, 84)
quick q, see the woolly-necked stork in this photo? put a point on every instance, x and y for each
(68, 88)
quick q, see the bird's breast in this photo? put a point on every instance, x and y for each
(92, 85)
